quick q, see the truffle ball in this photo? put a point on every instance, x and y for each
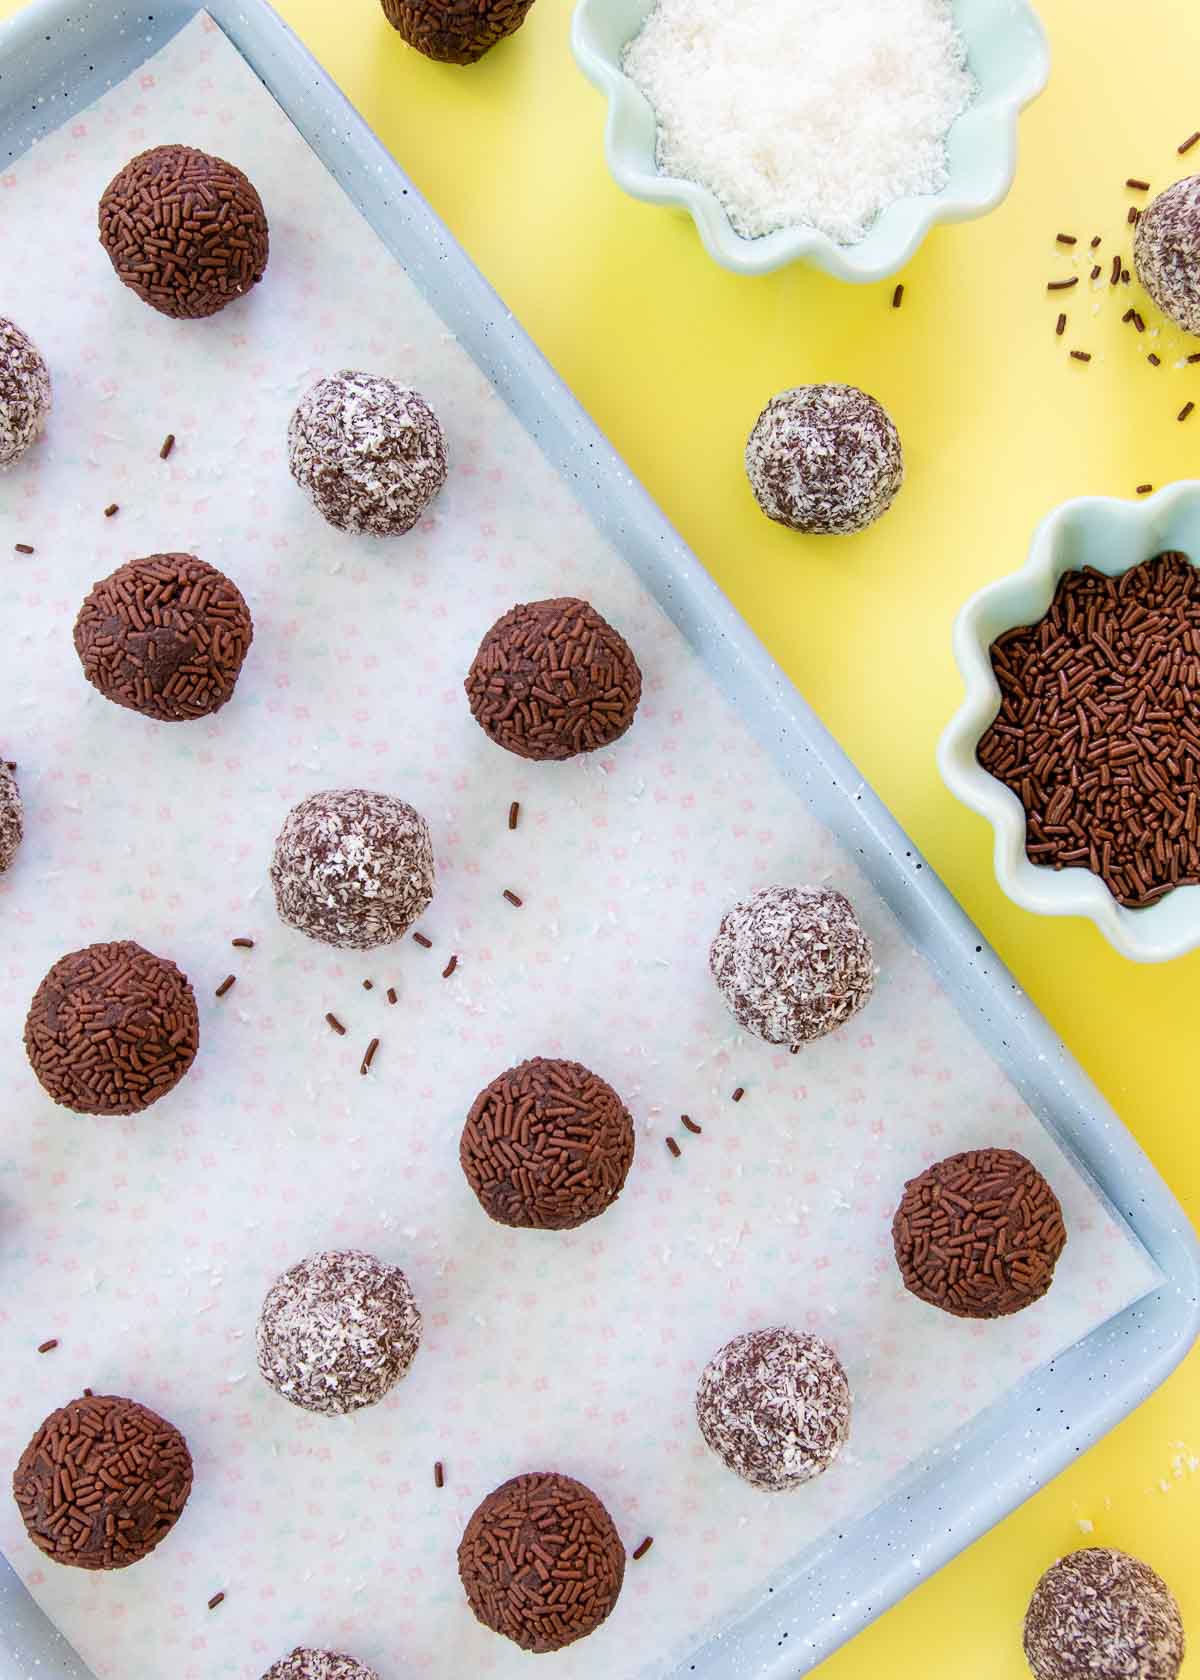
(129, 1472)
(547, 1146)
(337, 1331)
(184, 230)
(979, 1234)
(1100, 1615)
(304, 1663)
(792, 963)
(774, 1405)
(553, 679)
(825, 459)
(455, 31)
(12, 815)
(353, 868)
(111, 1029)
(510, 1550)
(1166, 252)
(24, 393)
(370, 453)
(165, 636)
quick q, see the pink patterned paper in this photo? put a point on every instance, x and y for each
(146, 1245)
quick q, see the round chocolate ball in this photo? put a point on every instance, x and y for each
(184, 230)
(337, 1331)
(111, 1029)
(508, 1560)
(553, 679)
(305, 1663)
(547, 1146)
(165, 636)
(774, 1405)
(12, 815)
(825, 459)
(102, 1482)
(353, 868)
(1101, 1615)
(792, 963)
(25, 396)
(370, 453)
(455, 31)
(1166, 252)
(979, 1234)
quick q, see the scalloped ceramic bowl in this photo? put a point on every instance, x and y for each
(1006, 50)
(1112, 536)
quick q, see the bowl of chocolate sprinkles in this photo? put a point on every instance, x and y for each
(1079, 735)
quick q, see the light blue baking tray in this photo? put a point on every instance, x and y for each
(60, 55)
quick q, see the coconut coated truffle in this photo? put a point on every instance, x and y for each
(353, 868)
(792, 963)
(547, 1145)
(1166, 252)
(524, 1541)
(184, 230)
(370, 453)
(979, 1234)
(455, 31)
(553, 679)
(111, 1029)
(128, 1472)
(25, 396)
(305, 1663)
(1102, 1615)
(165, 636)
(337, 1331)
(774, 1405)
(825, 459)
(12, 815)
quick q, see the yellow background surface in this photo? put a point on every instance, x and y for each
(674, 358)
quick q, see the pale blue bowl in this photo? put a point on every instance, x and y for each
(1008, 55)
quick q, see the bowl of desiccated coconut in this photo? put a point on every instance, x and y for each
(812, 130)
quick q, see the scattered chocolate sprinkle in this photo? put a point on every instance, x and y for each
(1138, 322)
(227, 985)
(217, 1598)
(1185, 410)
(1144, 489)
(1137, 186)
(1065, 239)
(1081, 356)
(242, 944)
(370, 1056)
(739, 1093)
(674, 1148)
(898, 296)
(1063, 285)
(24, 548)
(514, 813)
(1115, 276)
(1095, 242)
(113, 507)
(449, 968)
(368, 985)
(1128, 316)
(1154, 360)
(421, 940)
(643, 1549)
(1133, 215)
(1188, 143)
(439, 1475)
(1060, 326)
(512, 898)
(391, 995)
(168, 444)
(686, 1121)
(1195, 358)
(1096, 272)
(49, 1347)
(336, 1025)
(1124, 277)
(87, 1394)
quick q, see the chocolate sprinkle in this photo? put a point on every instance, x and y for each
(227, 985)
(368, 985)
(1185, 410)
(111, 1029)
(1115, 276)
(739, 1094)
(242, 944)
(439, 1475)
(512, 898)
(674, 1148)
(645, 1546)
(1154, 360)
(1096, 272)
(898, 296)
(1099, 1613)
(1080, 356)
(184, 230)
(336, 1025)
(541, 1561)
(391, 995)
(547, 1145)
(449, 968)
(979, 1234)
(686, 1121)
(1062, 285)
(1144, 489)
(370, 1056)
(1137, 186)
(1096, 242)
(514, 813)
(1060, 326)
(422, 941)
(217, 1598)
(1066, 239)
(455, 31)
(102, 1482)
(49, 1346)
(1188, 143)
(24, 548)
(168, 444)
(1134, 214)
(113, 507)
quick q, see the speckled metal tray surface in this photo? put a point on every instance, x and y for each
(60, 55)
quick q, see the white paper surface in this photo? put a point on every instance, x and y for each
(146, 1245)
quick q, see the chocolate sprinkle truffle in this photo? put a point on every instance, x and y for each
(455, 31)
(774, 1405)
(337, 1331)
(370, 453)
(547, 1146)
(184, 230)
(165, 636)
(825, 459)
(979, 1234)
(102, 1482)
(352, 868)
(305, 1663)
(1166, 252)
(541, 1561)
(1101, 1615)
(111, 1029)
(12, 816)
(792, 963)
(553, 679)
(25, 396)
